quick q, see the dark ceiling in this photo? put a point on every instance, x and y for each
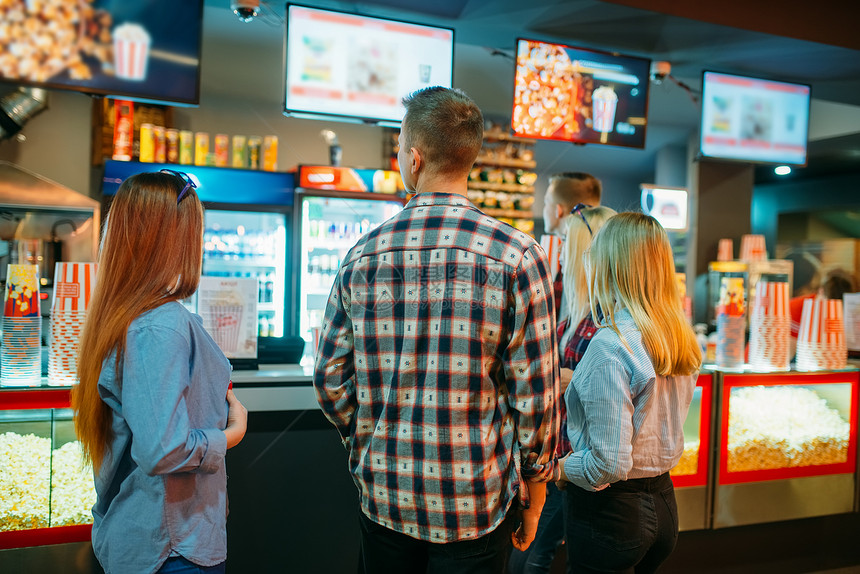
(808, 42)
(814, 43)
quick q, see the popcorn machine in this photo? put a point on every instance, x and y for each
(45, 492)
(786, 446)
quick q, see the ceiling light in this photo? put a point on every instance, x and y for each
(782, 170)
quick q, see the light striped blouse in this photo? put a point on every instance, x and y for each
(624, 421)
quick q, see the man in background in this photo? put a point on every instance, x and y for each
(567, 191)
(564, 192)
(438, 364)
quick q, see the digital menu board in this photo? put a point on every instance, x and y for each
(580, 95)
(754, 120)
(345, 66)
(146, 50)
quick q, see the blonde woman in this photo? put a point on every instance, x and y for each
(627, 403)
(577, 328)
(152, 410)
(574, 332)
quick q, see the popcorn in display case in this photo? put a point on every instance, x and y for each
(46, 489)
(692, 469)
(787, 426)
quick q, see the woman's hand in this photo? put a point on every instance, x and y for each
(237, 420)
(563, 479)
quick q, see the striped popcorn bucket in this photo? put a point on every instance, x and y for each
(753, 248)
(73, 289)
(552, 247)
(725, 250)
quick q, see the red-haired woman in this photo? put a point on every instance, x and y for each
(150, 408)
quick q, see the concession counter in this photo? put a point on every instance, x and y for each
(759, 448)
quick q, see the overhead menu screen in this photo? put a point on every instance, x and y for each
(357, 67)
(580, 95)
(755, 120)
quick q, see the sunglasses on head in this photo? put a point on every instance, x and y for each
(186, 179)
(578, 209)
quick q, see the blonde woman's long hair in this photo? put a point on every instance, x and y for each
(577, 239)
(630, 263)
(151, 253)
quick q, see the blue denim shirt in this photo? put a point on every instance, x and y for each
(162, 489)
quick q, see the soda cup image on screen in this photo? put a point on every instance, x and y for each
(604, 101)
(131, 51)
(424, 72)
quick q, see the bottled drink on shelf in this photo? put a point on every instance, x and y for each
(269, 287)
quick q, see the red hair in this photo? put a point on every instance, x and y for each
(151, 253)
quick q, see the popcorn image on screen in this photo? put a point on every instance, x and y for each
(131, 51)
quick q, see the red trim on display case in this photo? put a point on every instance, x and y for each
(700, 477)
(45, 536)
(40, 398)
(36, 398)
(782, 379)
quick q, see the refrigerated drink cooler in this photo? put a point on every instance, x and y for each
(250, 245)
(329, 227)
(334, 208)
(246, 233)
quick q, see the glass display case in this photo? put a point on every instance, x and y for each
(46, 490)
(787, 446)
(690, 475)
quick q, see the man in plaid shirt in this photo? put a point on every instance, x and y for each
(438, 363)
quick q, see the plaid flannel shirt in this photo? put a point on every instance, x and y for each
(438, 366)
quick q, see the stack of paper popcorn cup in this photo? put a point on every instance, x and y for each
(552, 247)
(730, 324)
(821, 341)
(21, 354)
(770, 327)
(725, 250)
(73, 288)
(753, 248)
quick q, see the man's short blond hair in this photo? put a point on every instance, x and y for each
(572, 187)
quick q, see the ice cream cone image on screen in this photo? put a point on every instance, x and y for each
(604, 101)
(131, 51)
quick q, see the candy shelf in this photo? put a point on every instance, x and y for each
(46, 494)
(506, 162)
(509, 213)
(509, 187)
(501, 183)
